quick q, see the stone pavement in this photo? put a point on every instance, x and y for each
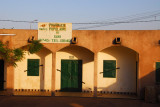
(23, 101)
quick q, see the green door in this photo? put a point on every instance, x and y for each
(1, 74)
(71, 75)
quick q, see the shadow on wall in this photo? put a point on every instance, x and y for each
(80, 53)
(22, 81)
(126, 76)
(43, 54)
(77, 53)
(148, 81)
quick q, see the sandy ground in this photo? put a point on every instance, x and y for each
(19, 101)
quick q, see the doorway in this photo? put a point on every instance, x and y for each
(1, 75)
(71, 75)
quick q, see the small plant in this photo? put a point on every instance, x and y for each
(5, 52)
(12, 56)
(18, 54)
(35, 46)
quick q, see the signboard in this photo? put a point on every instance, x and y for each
(55, 32)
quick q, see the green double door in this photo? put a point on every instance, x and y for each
(71, 75)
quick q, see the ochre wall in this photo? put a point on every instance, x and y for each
(125, 80)
(43, 81)
(77, 53)
(144, 42)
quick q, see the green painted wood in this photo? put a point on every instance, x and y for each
(65, 81)
(158, 72)
(109, 68)
(33, 67)
(71, 75)
(1, 75)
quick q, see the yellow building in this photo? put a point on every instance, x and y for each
(97, 63)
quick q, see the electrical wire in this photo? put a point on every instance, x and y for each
(128, 19)
(19, 21)
(113, 23)
(137, 18)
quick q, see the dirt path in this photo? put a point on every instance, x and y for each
(16, 101)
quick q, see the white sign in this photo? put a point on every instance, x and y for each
(55, 32)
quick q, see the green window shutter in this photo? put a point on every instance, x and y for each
(109, 68)
(33, 67)
(158, 72)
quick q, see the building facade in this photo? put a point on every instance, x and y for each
(100, 61)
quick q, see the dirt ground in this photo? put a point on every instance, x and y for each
(22, 101)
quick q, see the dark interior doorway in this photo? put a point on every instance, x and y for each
(1, 75)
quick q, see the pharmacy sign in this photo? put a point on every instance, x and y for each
(55, 32)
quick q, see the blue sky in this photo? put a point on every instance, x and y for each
(73, 11)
